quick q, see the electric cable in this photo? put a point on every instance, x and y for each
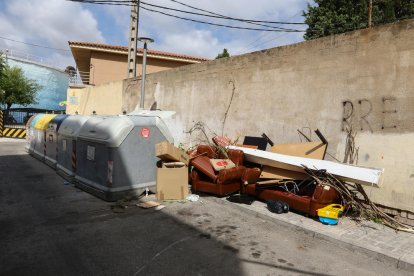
(222, 25)
(129, 3)
(255, 43)
(35, 45)
(214, 15)
(247, 20)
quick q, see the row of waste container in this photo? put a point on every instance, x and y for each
(108, 156)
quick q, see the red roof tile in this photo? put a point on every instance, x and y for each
(125, 49)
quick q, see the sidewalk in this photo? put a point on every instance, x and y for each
(367, 237)
(11, 140)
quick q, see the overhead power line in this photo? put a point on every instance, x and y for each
(218, 16)
(221, 25)
(259, 41)
(239, 19)
(36, 45)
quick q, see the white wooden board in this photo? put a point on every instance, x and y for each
(345, 172)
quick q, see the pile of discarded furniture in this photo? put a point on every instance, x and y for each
(278, 174)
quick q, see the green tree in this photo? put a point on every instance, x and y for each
(224, 54)
(334, 17)
(15, 88)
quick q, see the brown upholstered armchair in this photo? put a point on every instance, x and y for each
(226, 181)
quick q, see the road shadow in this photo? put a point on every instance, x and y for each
(50, 227)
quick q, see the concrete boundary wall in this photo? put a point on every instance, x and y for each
(362, 79)
(104, 99)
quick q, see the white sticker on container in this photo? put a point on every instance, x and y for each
(110, 171)
(90, 153)
(64, 145)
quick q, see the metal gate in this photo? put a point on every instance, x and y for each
(13, 122)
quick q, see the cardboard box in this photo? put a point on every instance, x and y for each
(172, 181)
(168, 152)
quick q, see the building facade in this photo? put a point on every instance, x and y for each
(102, 63)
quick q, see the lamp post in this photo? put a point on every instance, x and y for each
(146, 41)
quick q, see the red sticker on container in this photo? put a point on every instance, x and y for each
(145, 132)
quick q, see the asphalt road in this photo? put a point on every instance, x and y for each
(48, 227)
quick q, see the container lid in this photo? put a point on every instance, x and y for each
(35, 119)
(152, 120)
(72, 125)
(153, 113)
(55, 123)
(29, 122)
(162, 120)
(43, 121)
(108, 130)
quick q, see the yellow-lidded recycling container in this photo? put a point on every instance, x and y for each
(39, 135)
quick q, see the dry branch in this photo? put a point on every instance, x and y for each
(356, 200)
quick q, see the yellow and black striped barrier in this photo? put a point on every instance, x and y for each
(1, 123)
(14, 132)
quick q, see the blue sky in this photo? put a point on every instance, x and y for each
(53, 23)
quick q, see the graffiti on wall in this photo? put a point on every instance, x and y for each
(370, 114)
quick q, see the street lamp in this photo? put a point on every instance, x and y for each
(145, 40)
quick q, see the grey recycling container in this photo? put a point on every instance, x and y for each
(66, 151)
(29, 131)
(39, 135)
(116, 155)
(52, 140)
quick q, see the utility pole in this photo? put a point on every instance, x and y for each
(369, 13)
(133, 35)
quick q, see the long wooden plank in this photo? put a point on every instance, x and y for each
(345, 172)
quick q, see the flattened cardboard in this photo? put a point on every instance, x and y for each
(277, 173)
(172, 183)
(314, 150)
(168, 152)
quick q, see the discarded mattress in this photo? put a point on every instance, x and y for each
(344, 172)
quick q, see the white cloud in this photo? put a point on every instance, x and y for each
(54, 22)
(195, 42)
(190, 38)
(47, 22)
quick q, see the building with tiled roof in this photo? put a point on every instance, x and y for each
(101, 63)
